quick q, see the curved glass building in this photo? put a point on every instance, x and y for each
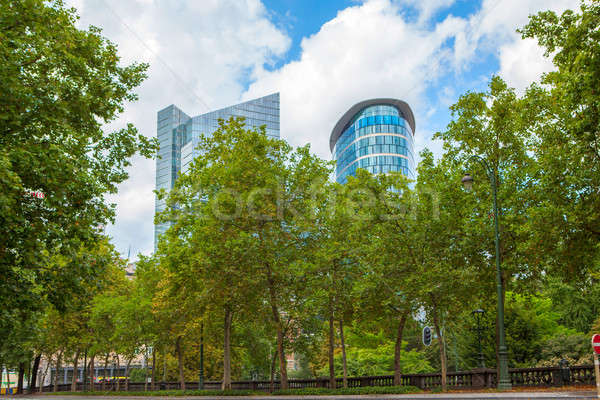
(376, 135)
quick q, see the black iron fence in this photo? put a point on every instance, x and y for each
(474, 379)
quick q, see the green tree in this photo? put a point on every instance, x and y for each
(238, 224)
(565, 144)
(335, 272)
(496, 125)
(58, 86)
(379, 208)
(448, 264)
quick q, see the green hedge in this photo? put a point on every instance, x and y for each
(288, 392)
(357, 390)
(174, 392)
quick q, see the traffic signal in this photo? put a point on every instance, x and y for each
(427, 336)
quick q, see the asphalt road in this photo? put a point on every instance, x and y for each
(449, 396)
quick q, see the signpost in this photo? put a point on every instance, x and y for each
(596, 348)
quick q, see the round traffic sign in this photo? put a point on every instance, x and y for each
(596, 343)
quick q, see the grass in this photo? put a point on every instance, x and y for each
(288, 392)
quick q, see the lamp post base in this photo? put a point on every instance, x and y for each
(504, 385)
(504, 382)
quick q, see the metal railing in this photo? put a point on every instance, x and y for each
(474, 379)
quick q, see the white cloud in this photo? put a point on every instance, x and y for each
(203, 53)
(373, 50)
(523, 62)
(426, 8)
(366, 51)
(199, 54)
(494, 29)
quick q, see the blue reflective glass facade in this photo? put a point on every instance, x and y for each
(179, 134)
(378, 138)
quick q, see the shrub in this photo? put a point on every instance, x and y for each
(290, 392)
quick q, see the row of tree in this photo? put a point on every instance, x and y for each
(265, 256)
(258, 229)
(59, 86)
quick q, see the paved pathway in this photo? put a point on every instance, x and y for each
(450, 396)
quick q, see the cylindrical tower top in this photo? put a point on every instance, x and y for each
(376, 135)
(346, 119)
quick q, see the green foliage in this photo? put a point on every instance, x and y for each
(530, 323)
(372, 354)
(263, 251)
(58, 86)
(349, 391)
(535, 335)
(239, 227)
(167, 393)
(574, 348)
(137, 375)
(380, 361)
(289, 392)
(595, 326)
(566, 116)
(577, 305)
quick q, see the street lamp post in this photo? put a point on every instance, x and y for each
(478, 314)
(201, 377)
(200, 347)
(84, 369)
(504, 380)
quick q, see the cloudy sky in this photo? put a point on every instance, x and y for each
(323, 56)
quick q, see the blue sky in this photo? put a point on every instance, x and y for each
(322, 56)
(302, 18)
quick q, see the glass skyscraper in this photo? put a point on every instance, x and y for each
(376, 135)
(179, 134)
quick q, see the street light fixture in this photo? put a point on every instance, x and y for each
(467, 181)
(478, 314)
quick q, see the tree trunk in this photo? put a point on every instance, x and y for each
(146, 368)
(441, 345)
(92, 373)
(180, 362)
(7, 378)
(85, 370)
(127, 374)
(20, 378)
(282, 359)
(104, 372)
(118, 374)
(164, 379)
(58, 359)
(344, 364)
(75, 364)
(153, 367)
(330, 351)
(34, 373)
(398, 350)
(29, 373)
(48, 361)
(227, 350)
(280, 336)
(273, 359)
